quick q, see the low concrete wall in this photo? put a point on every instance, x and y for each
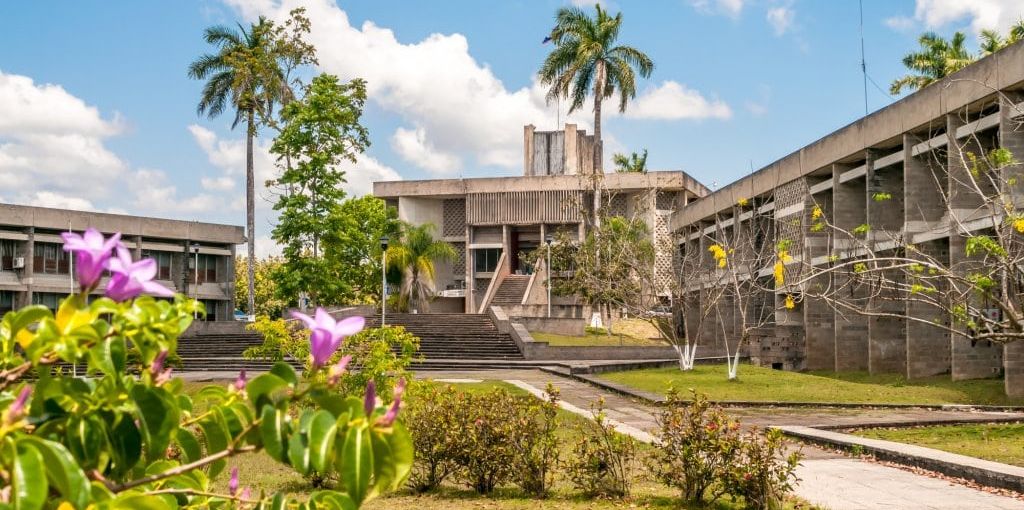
(447, 305)
(216, 328)
(554, 325)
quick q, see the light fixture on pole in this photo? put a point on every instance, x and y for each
(195, 291)
(549, 239)
(383, 278)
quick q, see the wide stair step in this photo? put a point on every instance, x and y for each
(511, 290)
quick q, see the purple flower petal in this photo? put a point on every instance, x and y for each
(307, 320)
(349, 326)
(240, 381)
(92, 253)
(392, 413)
(370, 401)
(233, 482)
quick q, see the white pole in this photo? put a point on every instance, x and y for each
(195, 292)
(548, 268)
(383, 286)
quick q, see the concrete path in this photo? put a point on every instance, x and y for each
(827, 479)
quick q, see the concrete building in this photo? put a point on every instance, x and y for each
(912, 151)
(494, 223)
(34, 269)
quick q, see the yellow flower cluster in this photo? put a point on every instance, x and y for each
(780, 267)
(742, 202)
(816, 213)
(719, 254)
(1018, 224)
(790, 303)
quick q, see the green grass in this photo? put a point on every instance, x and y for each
(763, 384)
(556, 340)
(996, 442)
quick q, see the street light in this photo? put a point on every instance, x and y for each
(195, 291)
(549, 239)
(383, 278)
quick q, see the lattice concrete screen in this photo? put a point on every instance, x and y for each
(454, 211)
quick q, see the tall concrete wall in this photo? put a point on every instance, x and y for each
(849, 204)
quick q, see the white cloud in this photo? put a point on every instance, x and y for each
(780, 18)
(464, 111)
(673, 100)
(413, 146)
(361, 175)
(729, 7)
(223, 183)
(56, 200)
(900, 23)
(982, 14)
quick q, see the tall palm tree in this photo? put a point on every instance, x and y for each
(585, 60)
(415, 254)
(992, 41)
(245, 75)
(634, 163)
(936, 59)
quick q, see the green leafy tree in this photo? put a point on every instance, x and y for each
(992, 41)
(353, 250)
(250, 72)
(587, 60)
(318, 133)
(634, 163)
(936, 58)
(268, 304)
(415, 254)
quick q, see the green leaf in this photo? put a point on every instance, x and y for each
(28, 478)
(86, 438)
(273, 427)
(159, 417)
(136, 501)
(126, 444)
(215, 433)
(62, 471)
(189, 444)
(265, 389)
(298, 453)
(383, 469)
(330, 500)
(402, 453)
(322, 432)
(286, 372)
(355, 464)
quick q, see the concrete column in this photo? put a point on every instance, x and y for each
(851, 329)
(887, 344)
(470, 299)
(819, 317)
(969, 359)
(27, 274)
(528, 149)
(1013, 359)
(506, 247)
(571, 149)
(137, 249)
(925, 184)
(1012, 138)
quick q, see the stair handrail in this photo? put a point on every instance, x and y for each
(497, 278)
(533, 278)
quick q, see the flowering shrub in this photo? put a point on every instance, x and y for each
(696, 445)
(126, 436)
(604, 460)
(763, 473)
(536, 443)
(435, 419)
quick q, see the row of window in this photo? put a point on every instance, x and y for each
(52, 300)
(50, 258)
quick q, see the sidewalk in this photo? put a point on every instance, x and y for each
(827, 479)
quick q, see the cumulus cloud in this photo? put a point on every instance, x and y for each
(729, 7)
(56, 200)
(53, 141)
(982, 14)
(455, 108)
(673, 100)
(780, 18)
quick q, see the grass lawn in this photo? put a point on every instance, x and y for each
(627, 332)
(764, 384)
(996, 442)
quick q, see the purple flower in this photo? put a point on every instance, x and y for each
(240, 381)
(392, 413)
(16, 410)
(326, 334)
(130, 279)
(370, 400)
(160, 375)
(92, 252)
(233, 482)
(338, 369)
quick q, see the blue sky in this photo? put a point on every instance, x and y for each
(96, 110)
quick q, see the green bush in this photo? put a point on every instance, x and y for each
(696, 445)
(592, 330)
(604, 461)
(435, 418)
(535, 442)
(763, 474)
(486, 454)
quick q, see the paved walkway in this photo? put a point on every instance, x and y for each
(827, 479)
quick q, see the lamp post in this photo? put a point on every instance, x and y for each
(195, 291)
(549, 239)
(383, 278)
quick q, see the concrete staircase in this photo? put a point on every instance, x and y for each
(221, 352)
(511, 291)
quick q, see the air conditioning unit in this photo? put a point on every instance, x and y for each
(19, 263)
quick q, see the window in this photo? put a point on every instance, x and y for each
(6, 301)
(487, 259)
(50, 258)
(211, 307)
(47, 299)
(207, 268)
(163, 263)
(8, 252)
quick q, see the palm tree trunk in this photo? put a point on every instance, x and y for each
(250, 210)
(598, 152)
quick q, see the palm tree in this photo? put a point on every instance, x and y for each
(936, 59)
(244, 74)
(992, 41)
(634, 163)
(414, 255)
(587, 60)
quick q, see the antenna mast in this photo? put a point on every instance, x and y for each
(863, 62)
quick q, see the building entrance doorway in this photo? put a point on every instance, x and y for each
(524, 241)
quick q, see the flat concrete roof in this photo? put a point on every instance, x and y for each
(63, 219)
(976, 82)
(673, 180)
